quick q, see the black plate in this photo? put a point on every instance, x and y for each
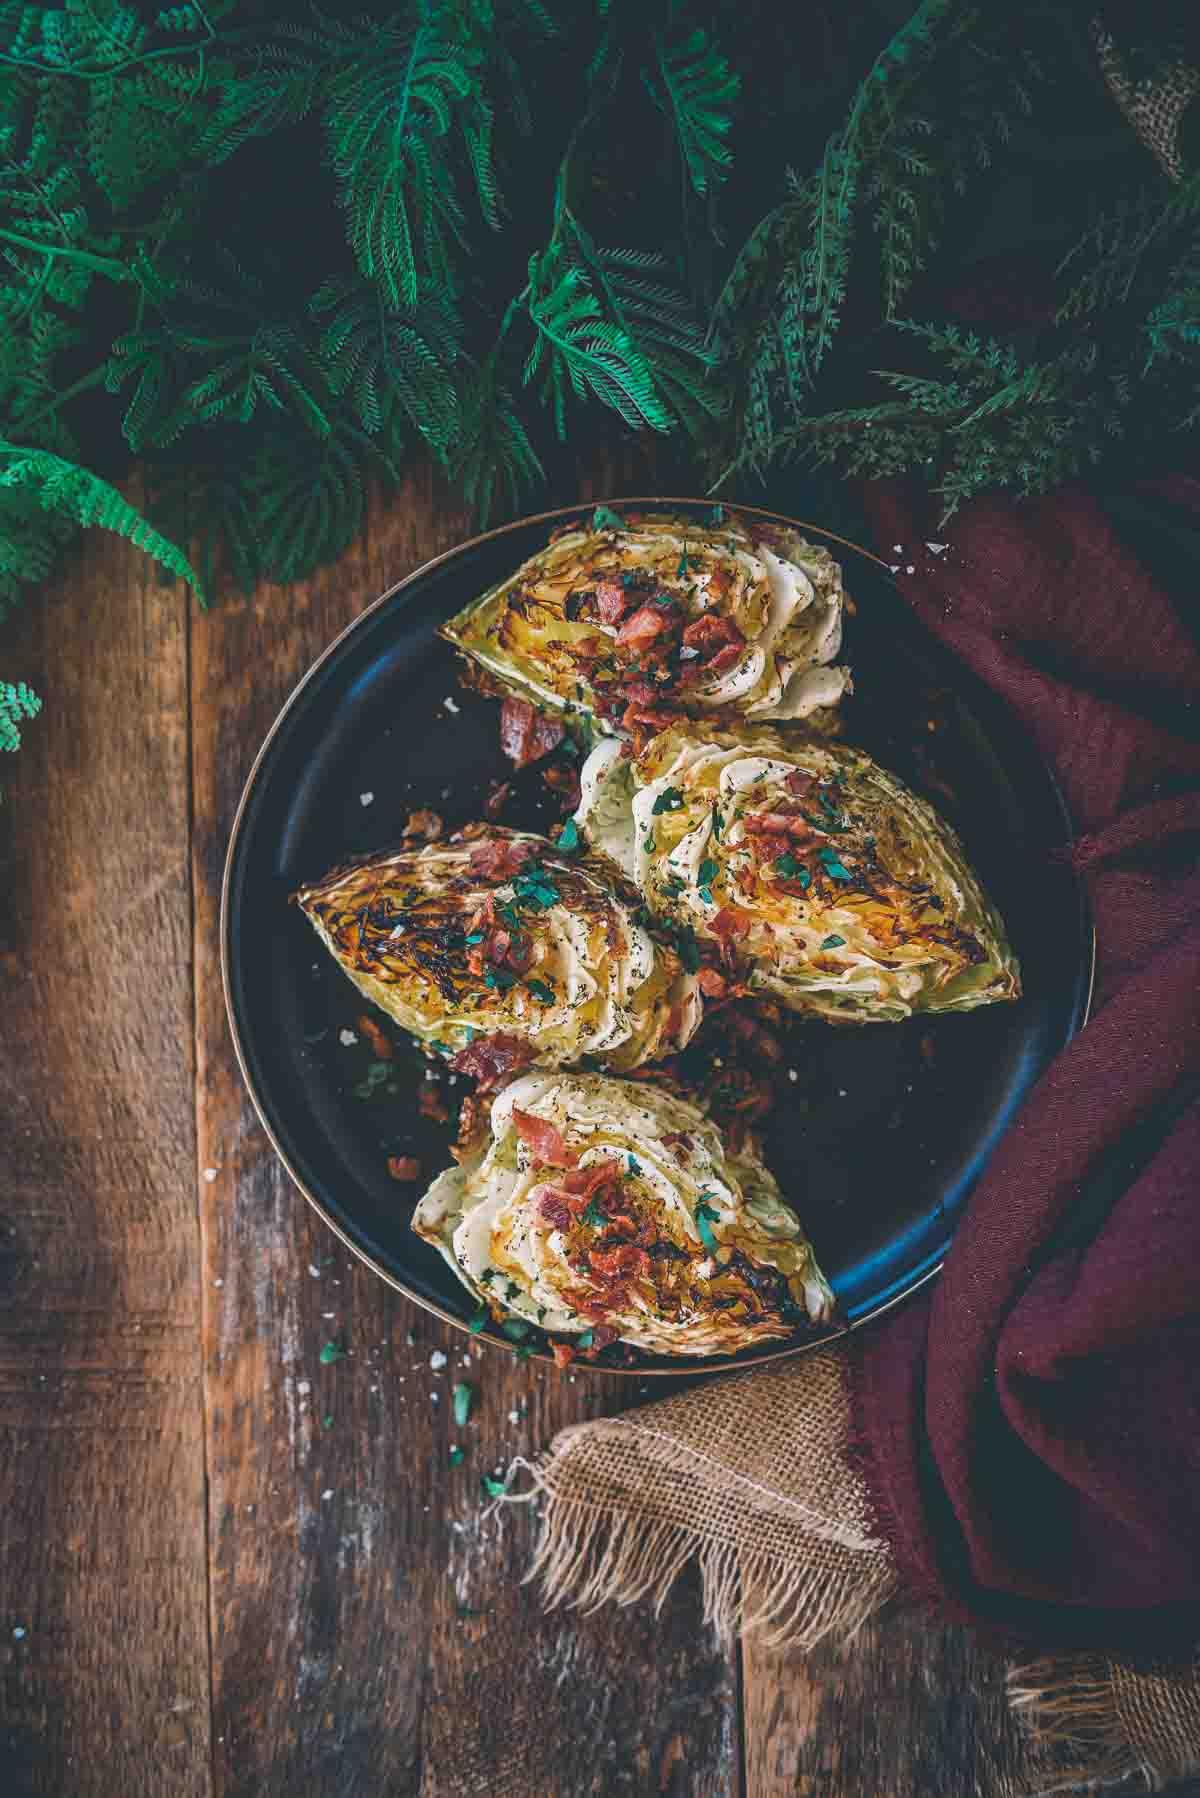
(885, 1129)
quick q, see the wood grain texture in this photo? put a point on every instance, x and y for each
(102, 1549)
(370, 1633)
(367, 1629)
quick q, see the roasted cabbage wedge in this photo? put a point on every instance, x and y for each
(813, 871)
(498, 940)
(657, 616)
(610, 1210)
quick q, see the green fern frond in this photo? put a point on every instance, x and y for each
(697, 87)
(494, 462)
(18, 703)
(77, 495)
(391, 116)
(307, 497)
(372, 353)
(1143, 224)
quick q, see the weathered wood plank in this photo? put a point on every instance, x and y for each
(103, 1602)
(369, 1632)
(908, 1709)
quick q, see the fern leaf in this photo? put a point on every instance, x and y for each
(390, 116)
(698, 89)
(18, 703)
(374, 354)
(77, 494)
(494, 462)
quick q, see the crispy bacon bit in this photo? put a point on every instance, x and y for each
(499, 858)
(709, 633)
(553, 1209)
(492, 1058)
(712, 984)
(470, 1127)
(612, 602)
(760, 1041)
(646, 720)
(563, 1352)
(382, 1046)
(525, 736)
(647, 623)
(624, 1261)
(563, 779)
(602, 1335)
(404, 1167)
(731, 924)
(431, 1104)
(582, 1182)
(544, 1138)
(799, 784)
(778, 824)
(497, 798)
(426, 825)
(520, 952)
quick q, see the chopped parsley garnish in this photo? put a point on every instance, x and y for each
(708, 871)
(332, 1351)
(648, 844)
(514, 1291)
(670, 800)
(683, 566)
(718, 822)
(457, 1456)
(534, 888)
(462, 1396)
(478, 1320)
(476, 936)
(499, 978)
(635, 1166)
(706, 894)
(604, 519)
(674, 886)
(568, 839)
(832, 866)
(541, 991)
(688, 948)
(515, 1328)
(586, 1338)
(493, 1487)
(787, 865)
(442, 1048)
(706, 1216)
(487, 1276)
(524, 1351)
(833, 942)
(378, 1074)
(593, 1216)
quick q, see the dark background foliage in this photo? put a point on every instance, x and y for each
(271, 252)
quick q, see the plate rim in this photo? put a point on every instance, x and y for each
(688, 1367)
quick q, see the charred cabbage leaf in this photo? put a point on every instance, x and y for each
(498, 938)
(655, 616)
(611, 1209)
(815, 872)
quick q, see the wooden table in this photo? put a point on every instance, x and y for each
(227, 1568)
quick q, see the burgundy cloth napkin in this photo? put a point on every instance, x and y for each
(1030, 1433)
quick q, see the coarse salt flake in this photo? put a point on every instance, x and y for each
(346, 1038)
(210, 1174)
(451, 705)
(437, 1360)
(366, 798)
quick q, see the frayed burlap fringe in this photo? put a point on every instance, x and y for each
(1112, 1719)
(750, 1481)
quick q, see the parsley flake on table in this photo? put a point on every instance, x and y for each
(515, 1328)
(457, 1456)
(461, 1396)
(478, 1320)
(495, 1488)
(332, 1351)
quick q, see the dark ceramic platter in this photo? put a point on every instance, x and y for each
(886, 1128)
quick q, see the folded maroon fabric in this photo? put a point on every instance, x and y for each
(1031, 1433)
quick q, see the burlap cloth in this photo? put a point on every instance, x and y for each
(753, 1478)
